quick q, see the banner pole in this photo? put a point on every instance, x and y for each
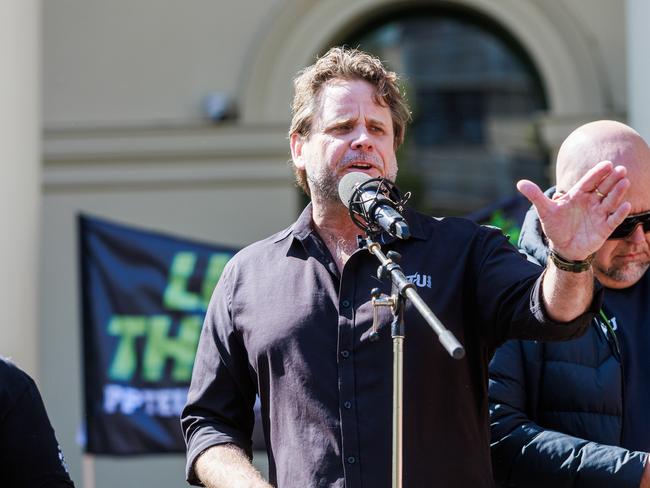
(88, 470)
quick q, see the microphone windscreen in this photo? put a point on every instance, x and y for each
(349, 184)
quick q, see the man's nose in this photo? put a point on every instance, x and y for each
(637, 236)
(362, 140)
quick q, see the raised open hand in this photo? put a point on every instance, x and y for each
(578, 222)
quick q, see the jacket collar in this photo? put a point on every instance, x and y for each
(532, 239)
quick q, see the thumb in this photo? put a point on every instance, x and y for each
(534, 194)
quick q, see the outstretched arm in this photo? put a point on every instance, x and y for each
(577, 223)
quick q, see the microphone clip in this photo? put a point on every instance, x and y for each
(362, 206)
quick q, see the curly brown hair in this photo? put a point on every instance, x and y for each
(345, 64)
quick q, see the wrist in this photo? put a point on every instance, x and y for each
(570, 265)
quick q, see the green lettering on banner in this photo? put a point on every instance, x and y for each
(212, 274)
(177, 296)
(125, 361)
(160, 347)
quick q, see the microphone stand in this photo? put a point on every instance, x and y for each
(402, 290)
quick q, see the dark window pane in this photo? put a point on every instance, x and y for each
(475, 98)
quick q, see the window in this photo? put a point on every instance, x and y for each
(475, 97)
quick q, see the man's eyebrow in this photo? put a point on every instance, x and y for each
(376, 122)
(341, 120)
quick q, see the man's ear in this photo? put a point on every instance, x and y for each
(296, 142)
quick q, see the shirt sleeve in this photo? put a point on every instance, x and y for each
(509, 297)
(30, 453)
(221, 396)
(525, 454)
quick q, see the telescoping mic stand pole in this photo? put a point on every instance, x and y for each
(402, 290)
(362, 199)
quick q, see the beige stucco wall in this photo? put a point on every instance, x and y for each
(151, 62)
(638, 38)
(124, 135)
(20, 196)
(601, 23)
(143, 61)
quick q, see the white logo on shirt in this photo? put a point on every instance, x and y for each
(421, 281)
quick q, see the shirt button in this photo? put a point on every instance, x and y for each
(345, 353)
(352, 460)
(346, 303)
(347, 404)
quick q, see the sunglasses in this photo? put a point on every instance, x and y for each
(629, 224)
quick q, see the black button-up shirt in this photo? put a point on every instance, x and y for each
(284, 324)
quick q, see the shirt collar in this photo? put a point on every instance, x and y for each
(302, 227)
(414, 220)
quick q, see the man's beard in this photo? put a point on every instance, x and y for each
(325, 183)
(628, 273)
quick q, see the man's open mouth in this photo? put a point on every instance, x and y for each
(361, 166)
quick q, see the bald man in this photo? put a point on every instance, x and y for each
(577, 413)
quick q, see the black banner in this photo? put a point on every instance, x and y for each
(144, 297)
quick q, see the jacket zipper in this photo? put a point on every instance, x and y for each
(611, 334)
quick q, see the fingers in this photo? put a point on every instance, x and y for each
(534, 194)
(619, 214)
(594, 177)
(614, 196)
(609, 182)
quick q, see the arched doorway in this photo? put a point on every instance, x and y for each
(476, 97)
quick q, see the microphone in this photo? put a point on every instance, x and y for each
(369, 198)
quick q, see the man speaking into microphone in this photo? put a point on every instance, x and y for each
(291, 317)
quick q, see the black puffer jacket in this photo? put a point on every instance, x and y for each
(556, 408)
